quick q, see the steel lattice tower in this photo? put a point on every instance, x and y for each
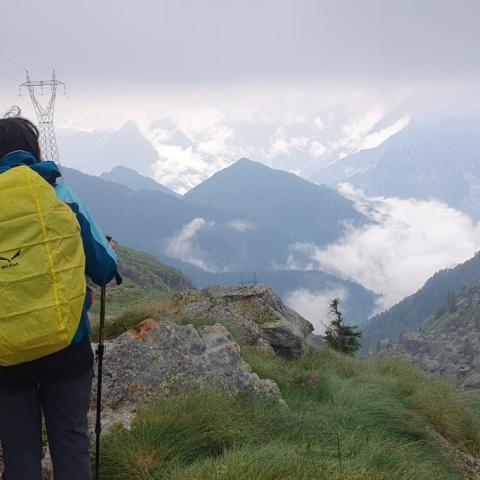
(45, 114)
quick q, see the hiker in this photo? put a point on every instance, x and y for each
(57, 384)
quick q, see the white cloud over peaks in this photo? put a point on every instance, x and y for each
(361, 126)
(314, 142)
(358, 132)
(314, 306)
(183, 246)
(375, 139)
(317, 149)
(411, 241)
(283, 144)
(196, 147)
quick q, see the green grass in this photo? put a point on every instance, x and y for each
(347, 419)
(144, 279)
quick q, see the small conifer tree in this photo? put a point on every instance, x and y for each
(340, 336)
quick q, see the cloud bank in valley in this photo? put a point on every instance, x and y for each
(408, 242)
(242, 225)
(183, 245)
(314, 305)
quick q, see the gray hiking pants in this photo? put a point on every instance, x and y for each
(65, 406)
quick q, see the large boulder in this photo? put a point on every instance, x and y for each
(254, 314)
(162, 358)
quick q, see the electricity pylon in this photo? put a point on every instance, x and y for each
(45, 114)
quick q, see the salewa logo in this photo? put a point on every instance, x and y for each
(9, 261)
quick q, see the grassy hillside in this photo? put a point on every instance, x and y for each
(144, 278)
(347, 419)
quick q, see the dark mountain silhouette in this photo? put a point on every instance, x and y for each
(302, 210)
(134, 180)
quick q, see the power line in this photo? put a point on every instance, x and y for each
(73, 153)
(87, 145)
(11, 60)
(77, 108)
(93, 147)
(115, 154)
(7, 75)
(9, 90)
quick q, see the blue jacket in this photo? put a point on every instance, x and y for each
(101, 260)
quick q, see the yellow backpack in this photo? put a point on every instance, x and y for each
(42, 269)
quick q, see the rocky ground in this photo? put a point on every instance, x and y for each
(449, 345)
(162, 359)
(454, 355)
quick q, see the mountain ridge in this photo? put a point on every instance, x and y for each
(274, 196)
(134, 180)
(411, 313)
(429, 159)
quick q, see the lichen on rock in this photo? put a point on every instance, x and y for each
(254, 314)
(161, 359)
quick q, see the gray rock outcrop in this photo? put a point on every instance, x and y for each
(255, 315)
(162, 358)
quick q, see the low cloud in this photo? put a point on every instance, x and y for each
(242, 225)
(410, 241)
(183, 245)
(314, 305)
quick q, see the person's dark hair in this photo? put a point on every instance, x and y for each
(18, 133)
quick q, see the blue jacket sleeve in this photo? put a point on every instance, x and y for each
(101, 260)
(100, 266)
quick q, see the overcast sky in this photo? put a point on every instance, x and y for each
(293, 83)
(136, 44)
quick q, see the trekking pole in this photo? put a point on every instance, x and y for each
(100, 351)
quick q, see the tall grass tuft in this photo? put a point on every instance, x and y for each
(347, 419)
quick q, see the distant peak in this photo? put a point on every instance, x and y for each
(248, 163)
(121, 168)
(245, 160)
(129, 126)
